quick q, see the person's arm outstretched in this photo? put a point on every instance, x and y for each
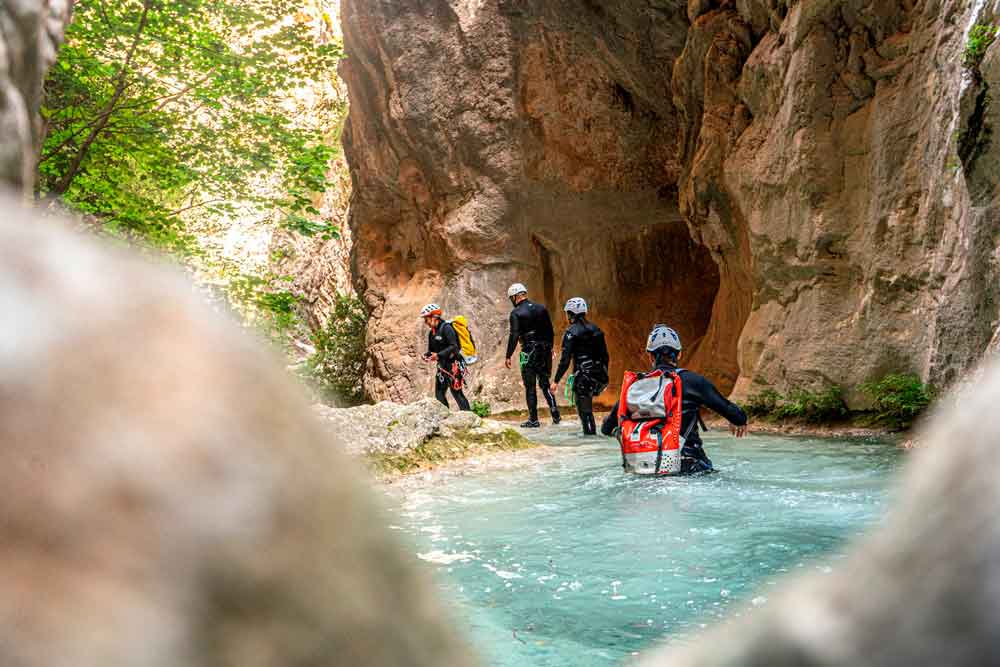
(718, 403)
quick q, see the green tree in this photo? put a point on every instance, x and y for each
(337, 367)
(157, 108)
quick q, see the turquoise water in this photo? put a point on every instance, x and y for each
(568, 561)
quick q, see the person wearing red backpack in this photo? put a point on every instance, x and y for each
(695, 391)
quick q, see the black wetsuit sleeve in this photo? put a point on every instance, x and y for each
(567, 356)
(514, 332)
(430, 341)
(610, 422)
(713, 400)
(602, 352)
(451, 338)
(546, 332)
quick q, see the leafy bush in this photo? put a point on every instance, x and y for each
(898, 399)
(762, 404)
(823, 406)
(980, 39)
(337, 366)
(813, 407)
(481, 408)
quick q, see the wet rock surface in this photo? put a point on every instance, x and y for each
(783, 181)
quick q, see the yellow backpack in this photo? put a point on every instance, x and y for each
(465, 340)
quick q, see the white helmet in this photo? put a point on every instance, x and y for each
(515, 289)
(576, 305)
(663, 336)
(430, 309)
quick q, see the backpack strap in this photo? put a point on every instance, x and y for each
(623, 412)
(659, 449)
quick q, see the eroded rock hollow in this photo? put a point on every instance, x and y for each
(787, 183)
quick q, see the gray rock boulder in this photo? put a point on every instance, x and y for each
(30, 34)
(395, 429)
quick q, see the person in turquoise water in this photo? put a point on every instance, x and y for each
(584, 345)
(664, 348)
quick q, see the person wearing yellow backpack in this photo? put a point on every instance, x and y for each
(465, 340)
(443, 347)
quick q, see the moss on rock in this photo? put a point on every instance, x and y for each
(440, 450)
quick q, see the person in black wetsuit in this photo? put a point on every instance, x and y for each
(443, 347)
(531, 325)
(664, 347)
(584, 345)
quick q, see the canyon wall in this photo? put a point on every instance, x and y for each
(804, 189)
(30, 33)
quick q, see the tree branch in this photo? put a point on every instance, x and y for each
(193, 206)
(122, 83)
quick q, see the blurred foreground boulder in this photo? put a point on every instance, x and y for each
(168, 497)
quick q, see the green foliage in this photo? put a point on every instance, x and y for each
(338, 365)
(981, 37)
(801, 405)
(482, 408)
(762, 404)
(157, 108)
(898, 399)
(267, 303)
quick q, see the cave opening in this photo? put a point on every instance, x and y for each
(663, 276)
(658, 274)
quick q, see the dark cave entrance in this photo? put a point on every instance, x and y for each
(661, 275)
(633, 276)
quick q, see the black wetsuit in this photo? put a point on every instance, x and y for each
(444, 341)
(531, 325)
(698, 392)
(584, 345)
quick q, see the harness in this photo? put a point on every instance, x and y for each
(456, 378)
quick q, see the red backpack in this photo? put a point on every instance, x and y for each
(649, 420)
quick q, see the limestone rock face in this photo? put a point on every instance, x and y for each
(804, 189)
(168, 496)
(30, 33)
(868, 254)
